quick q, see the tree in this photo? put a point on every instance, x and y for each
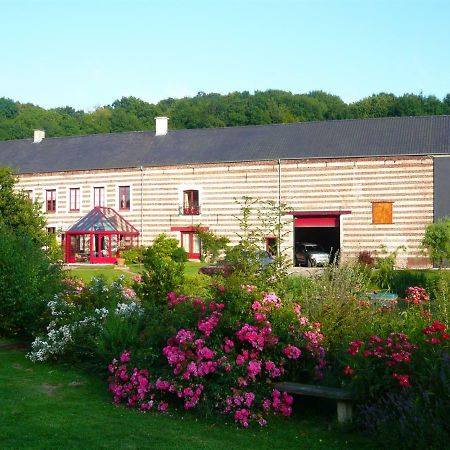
(18, 213)
(8, 108)
(437, 241)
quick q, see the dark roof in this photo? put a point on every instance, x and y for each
(330, 139)
(103, 219)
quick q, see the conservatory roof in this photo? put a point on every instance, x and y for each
(103, 219)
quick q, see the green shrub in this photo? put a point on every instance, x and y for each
(28, 280)
(133, 255)
(88, 323)
(437, 241)
(164, 272)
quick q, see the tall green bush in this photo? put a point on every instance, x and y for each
(437, 241)
(164, 270)
(28, 280)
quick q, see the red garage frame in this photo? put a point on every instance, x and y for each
(98, 237)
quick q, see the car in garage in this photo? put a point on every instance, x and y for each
(310, 254)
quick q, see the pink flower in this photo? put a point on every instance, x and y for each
(125, 357)
(292, 352)
(256, 306)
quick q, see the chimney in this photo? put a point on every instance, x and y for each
(162, 126)
(39, 135)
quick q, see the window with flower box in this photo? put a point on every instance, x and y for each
(191, 203)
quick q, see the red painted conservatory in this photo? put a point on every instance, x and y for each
(98, 237)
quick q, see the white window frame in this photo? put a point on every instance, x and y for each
(105, 190)
(68, 198)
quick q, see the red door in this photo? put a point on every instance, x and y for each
(102, 252)
(190, 241)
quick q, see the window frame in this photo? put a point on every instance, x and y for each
(127, 188)
(103, 190)
(50, 207)
(192, 206)
(77, 200)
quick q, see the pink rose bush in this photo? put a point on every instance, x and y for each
(225, 359)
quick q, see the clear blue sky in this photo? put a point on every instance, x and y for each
(87, 53)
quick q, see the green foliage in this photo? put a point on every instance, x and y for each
(333, 298)
(211, 244)
(385, 265)
(28, 280)
(164, 270)
(18, 213)
(133, 255)
(437, 241)
(18, 120)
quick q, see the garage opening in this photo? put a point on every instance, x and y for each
(317, 237)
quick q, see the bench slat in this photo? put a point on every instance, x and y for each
(314, 391)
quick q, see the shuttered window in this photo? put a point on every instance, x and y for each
(381, 212)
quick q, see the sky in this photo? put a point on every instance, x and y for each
(88, 53)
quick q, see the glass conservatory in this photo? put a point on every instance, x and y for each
(99, 237)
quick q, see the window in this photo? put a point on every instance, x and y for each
(124, 198)
(50, 200)
(51, 230)
(191, 204)
(99, 196)
(381, 212)
(74, 199)
(271, 245)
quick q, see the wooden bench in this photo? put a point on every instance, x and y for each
(343, 397)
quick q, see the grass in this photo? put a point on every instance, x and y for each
(44, 406)
(112, 272)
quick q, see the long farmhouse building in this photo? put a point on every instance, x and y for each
(352, 185)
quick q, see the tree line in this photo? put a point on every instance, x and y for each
(18, 120)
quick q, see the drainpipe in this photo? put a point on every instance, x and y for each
(142, 203)
(279, 209)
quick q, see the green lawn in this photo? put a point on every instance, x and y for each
(112, 272)
(47, 407)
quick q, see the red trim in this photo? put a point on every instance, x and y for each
(192, 229)
(320, 221)
(319, 213)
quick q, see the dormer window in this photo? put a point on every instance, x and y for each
(191, 204)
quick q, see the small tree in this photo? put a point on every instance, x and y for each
(437, 241)
(18, 213)
(212, 244)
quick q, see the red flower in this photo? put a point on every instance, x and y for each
(445, 336)
(348, 371)
(403, 380)
(438, 326)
